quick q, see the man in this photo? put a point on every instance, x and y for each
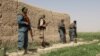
(42, 26)
(62, 31)
(73, 32)
(75, 28)
(24, 27)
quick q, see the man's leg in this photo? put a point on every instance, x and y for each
(75, 39)
(25, 42)
(72, 37)
(65, 38)
(61, 35)
(75, 36)
(20, 40)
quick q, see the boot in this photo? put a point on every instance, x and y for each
(75, 40)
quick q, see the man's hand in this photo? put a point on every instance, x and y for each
(26, 23)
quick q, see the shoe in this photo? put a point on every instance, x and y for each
(19, 49)
(25, 52)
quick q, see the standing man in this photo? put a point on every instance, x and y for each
(23, 28)
(73, 32)
(42, 27)
(75, 28)
(62, 31)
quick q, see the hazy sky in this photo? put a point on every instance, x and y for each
(86, 12)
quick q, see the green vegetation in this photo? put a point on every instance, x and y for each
(83, 50)
(89, 35)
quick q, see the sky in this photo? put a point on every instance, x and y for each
(86, 12)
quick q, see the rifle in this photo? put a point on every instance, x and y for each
(28, 21)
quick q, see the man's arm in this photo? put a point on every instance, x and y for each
(20, 17)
